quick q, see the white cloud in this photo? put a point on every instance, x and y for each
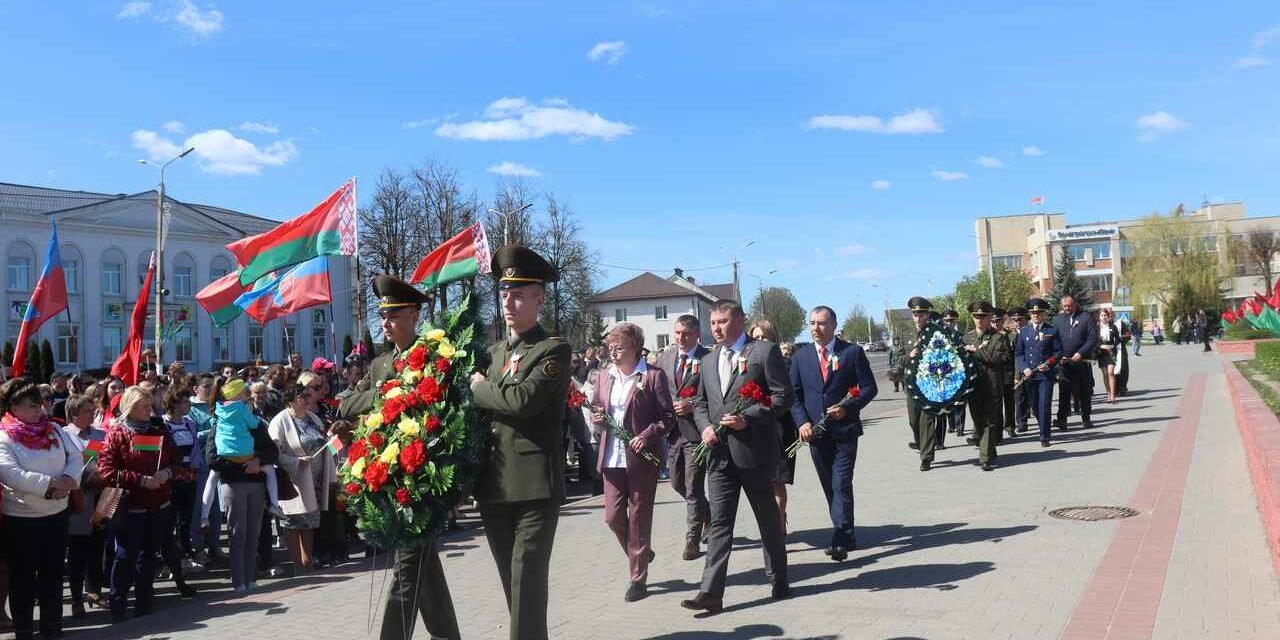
(1264, 37)
(881, 185)
(202, 23)
(1153, 125)
(220, 152)
(609, 52)
(1034, 152)
(134, 10)
(514, 170)
(990, 162)
(518, 119)
(948, 176)
(416, 124)
(175, 126)
(850, 250)
(259, 127)
(1249, 62)
(911, 122)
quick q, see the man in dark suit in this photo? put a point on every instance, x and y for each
(419, 586)
(744, 449)
(1079, 335)
(521, 483)
(682, 362)
(1038, 342)
(822, 375)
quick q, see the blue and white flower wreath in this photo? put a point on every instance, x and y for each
(942, 376)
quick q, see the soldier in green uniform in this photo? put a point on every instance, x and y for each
(1021, 403)
(419, 585)
(998, 316)
(521, 483)
(991, 355)
(924, 425)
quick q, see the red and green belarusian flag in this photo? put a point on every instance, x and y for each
(461, 256)
(219, 298)
(146, 443)
(93, 449)
(328, 229)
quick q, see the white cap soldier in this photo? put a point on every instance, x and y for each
(419, 584)
(989, 348)
(521, 481)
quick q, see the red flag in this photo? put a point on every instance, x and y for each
(1037, 200)
(461, 256)
(302, 286)
(48, 299)
(328, 229)
(126, 366)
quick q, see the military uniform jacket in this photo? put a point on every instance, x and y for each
(669, 362)
(525, 392)
(1011, 372)
(993, 358)
(1034, 347)
(360, 400)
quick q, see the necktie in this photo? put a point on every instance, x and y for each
(823, 363)
(726, 370)
(680, 371)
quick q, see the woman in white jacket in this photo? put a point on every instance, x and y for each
(38, 470)
(300, 435)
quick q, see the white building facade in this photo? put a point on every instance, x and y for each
(653, 304)
(106, 242)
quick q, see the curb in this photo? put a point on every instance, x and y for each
(1240, 347)
(1260, 433)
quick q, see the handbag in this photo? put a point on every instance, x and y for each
(109, 506)
(284, 484)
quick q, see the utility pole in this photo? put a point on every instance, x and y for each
(991, 268)
(733, 258)
(159, 279)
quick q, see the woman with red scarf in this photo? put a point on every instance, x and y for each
(38, 473)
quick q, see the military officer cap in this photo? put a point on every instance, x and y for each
(951, 314)
(516, 266)
(998, 312)
(1038, 304)
(394, 293)
(1017, 312)
(980, 308)
(919, 303)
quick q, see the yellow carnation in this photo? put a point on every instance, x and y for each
(390, 453)
(411, 376)
(409, 426)
(446, 350)
(373, 421)
(435, 334)
(394, 393)
(357, 469)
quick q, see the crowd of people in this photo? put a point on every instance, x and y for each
(109, 487)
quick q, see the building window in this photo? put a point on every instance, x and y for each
(111, 278)
(289, 339)
(1122, 296)
(71, 269)
(1012, 262)
(1210, 243)
(255, 341)
(1097, 284)
(183, 280)
(1153, 312)
(660, 312)
(222, 344)
(1100, 251)
(663, 340)
(319, 341)
(620, 314)
(68, 350)
(112, 342)
(19, 273)
(184, 345)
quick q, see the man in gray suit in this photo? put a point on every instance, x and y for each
(682, 362)
(744, 454)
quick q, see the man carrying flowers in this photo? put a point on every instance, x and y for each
(419, 585)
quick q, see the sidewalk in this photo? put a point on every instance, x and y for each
(949, 554)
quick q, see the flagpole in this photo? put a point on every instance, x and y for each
(74, 341)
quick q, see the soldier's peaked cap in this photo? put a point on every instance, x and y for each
(998, 312)
(517, 265)
(394, 293)
(1017, 312)
(980, 308)
(951, 314)
(1037, 304)
(919, 303)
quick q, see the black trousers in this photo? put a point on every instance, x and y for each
(419, 587)
(520, 536)
(1010, 407)
(183, 498)
(1077, 379)
(138, 541)
(84, 564)
(35, 549)
(725, 485)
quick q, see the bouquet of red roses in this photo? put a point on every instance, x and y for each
(748, 394)
(1051, 364)
(852, 394)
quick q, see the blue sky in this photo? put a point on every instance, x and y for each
(694, 125)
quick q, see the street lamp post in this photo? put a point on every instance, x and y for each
(764, 305)
(737, 292)
(159, 279)
(506, 237)
(888, 325)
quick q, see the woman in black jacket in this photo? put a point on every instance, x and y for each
(1108, 350)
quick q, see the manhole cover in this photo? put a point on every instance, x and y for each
(1093, 513)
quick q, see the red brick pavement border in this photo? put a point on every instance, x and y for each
(1260, 433)
(1123, 596)
(1239, 347)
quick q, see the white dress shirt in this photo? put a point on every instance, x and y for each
(618, 394)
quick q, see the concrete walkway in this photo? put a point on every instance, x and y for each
(949, 554)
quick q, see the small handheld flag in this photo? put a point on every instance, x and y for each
(146, 443)
(334, 445)
(93, 449)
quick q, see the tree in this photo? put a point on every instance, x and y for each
(854, 327)
(347, 346)
(1172, 261)
(1257, 250)
(567, 300)
(1067, 283)
(507, 221)
(8, 354)
(780, 307)
(46, 361)
(367, 340)
(595, 335)
(446, 211)
(1013, 287)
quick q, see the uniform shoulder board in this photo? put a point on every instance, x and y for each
(551, 367)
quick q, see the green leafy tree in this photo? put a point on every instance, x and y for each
(854, 327)
(1013, 287)
(1173, 260)
(34, 371)
(1067, 283)
(8, 353)
(367, 339)
(46, 361)
(779, 306)
(595, 335)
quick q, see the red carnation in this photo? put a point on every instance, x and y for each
(352, 488)
(357, 451)
(392, 409)
(750, 390)
(443, 365)
(1050, 361)
(412, 400)
(855, 391)
(688, 392)
(576, 398)
(433, 424)
(399, 365)
(413, 456)
(388, 386)
(375, 475)
(402, 495)
(417, 358)
(376, 440)
(430, 391)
